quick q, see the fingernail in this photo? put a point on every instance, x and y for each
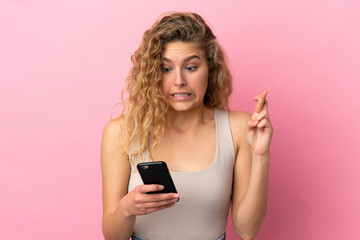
(176, 196)
(161, 187)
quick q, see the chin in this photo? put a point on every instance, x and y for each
(182, 107)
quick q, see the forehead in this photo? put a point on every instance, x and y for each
(180, 50)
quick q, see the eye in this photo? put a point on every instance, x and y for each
(165, 69)
(191, 69)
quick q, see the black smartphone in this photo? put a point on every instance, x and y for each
(157, 173)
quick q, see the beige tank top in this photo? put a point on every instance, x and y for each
(205, 195)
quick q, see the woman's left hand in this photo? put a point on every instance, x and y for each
(259, 129)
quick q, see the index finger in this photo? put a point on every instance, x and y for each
(150, 188)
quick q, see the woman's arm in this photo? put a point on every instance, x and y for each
(116, 169)
(250, 194)
(250, 188)
(121, 207)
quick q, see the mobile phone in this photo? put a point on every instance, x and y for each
(157, 173)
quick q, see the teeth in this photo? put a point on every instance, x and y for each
(181, 94)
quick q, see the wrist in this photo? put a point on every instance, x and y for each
(124, 212)
(261, 157)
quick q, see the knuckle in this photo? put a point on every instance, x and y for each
(138, 188)
(137, 199)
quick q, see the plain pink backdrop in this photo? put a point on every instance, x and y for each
(62, 66)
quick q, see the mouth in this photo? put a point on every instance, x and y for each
(180, 94)
(181, 97)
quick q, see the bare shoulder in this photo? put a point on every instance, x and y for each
(239, 117)
(111, 133)
(112, 127)
(238, 122)
(111, 145)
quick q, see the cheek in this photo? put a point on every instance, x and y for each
(204, 80)
(164, 84)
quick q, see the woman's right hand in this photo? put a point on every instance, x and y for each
(138, 202)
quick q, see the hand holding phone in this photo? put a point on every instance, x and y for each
(139, 202)
(148, 198)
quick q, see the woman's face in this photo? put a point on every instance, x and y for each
(185, 75)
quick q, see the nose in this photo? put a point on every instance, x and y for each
(180, 80)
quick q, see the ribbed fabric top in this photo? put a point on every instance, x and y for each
(205, 195)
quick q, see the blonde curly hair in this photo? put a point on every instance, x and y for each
(143, 105)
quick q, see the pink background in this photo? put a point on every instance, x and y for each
(62, 66)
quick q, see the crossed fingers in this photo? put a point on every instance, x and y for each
(260, 117)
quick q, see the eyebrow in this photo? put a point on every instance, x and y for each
(185, 60)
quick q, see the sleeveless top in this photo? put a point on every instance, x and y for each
(205, 195)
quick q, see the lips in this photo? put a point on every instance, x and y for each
(181, 94)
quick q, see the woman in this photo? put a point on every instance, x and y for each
(177, 112)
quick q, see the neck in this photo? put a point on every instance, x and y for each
(184, 121)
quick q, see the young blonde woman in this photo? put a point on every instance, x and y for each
(176, 111)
